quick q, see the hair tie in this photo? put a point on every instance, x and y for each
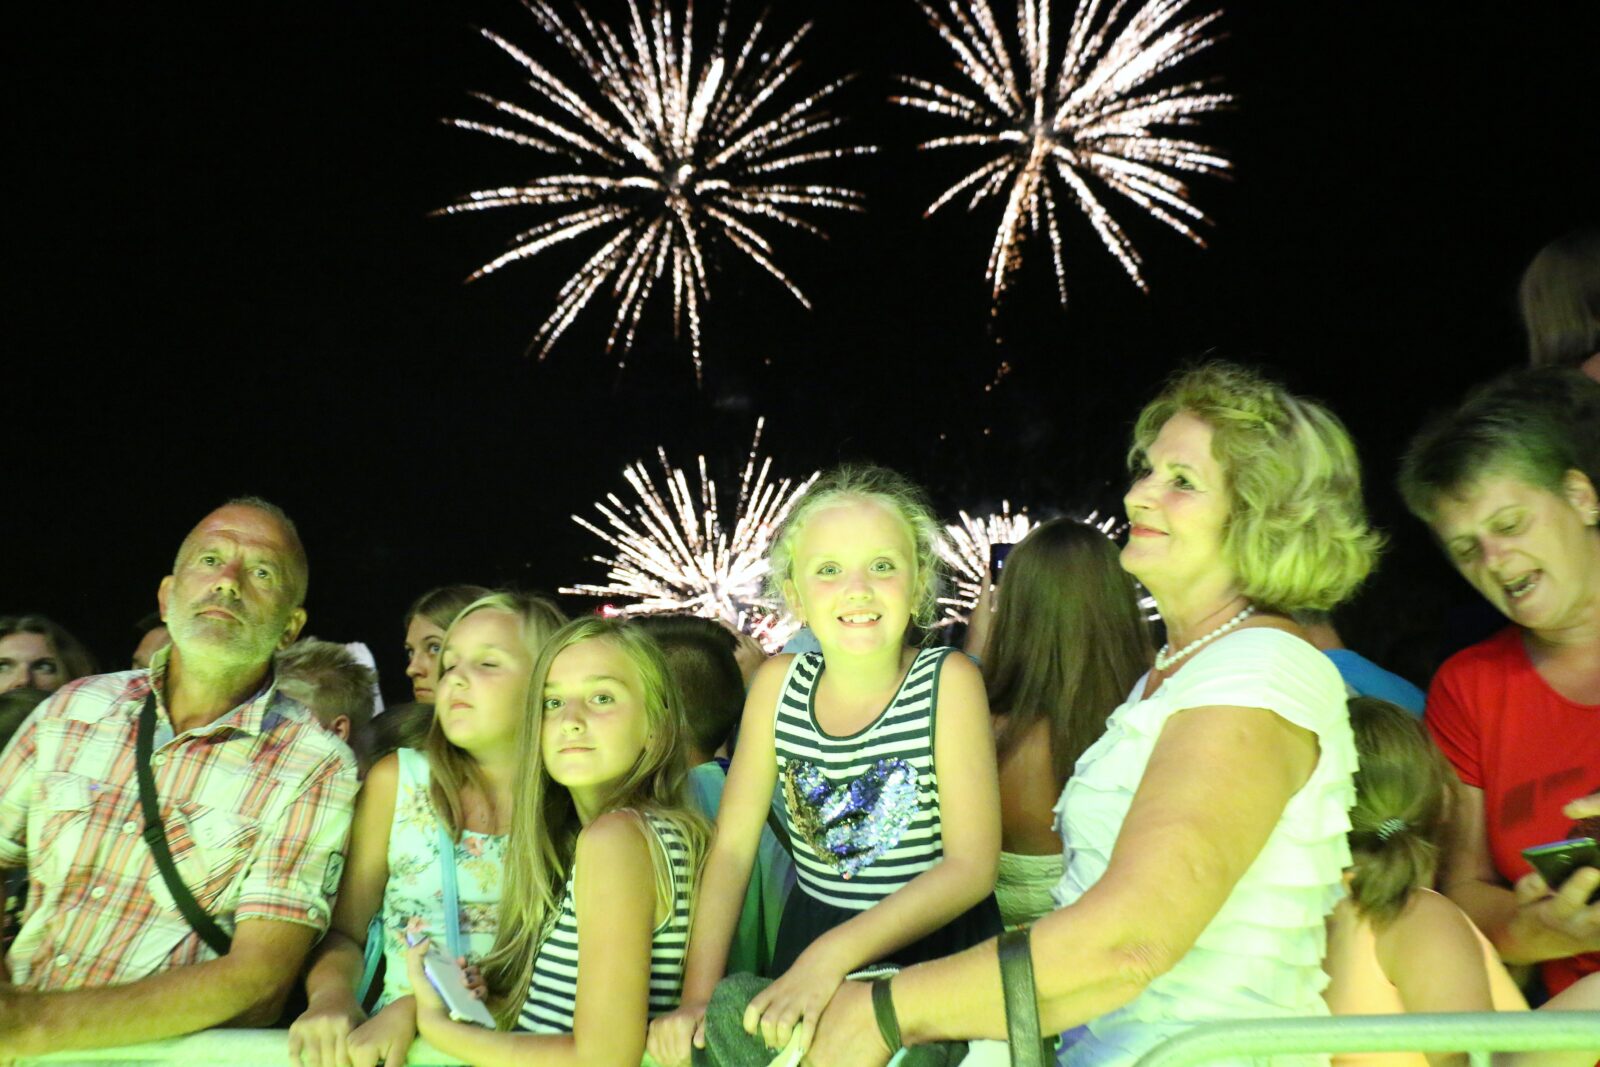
(1389, 827)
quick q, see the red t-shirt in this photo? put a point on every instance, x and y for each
(1530, 749)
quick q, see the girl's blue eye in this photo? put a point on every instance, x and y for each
(601, 698)
(828, 568)
(882, 566)
(552, 703)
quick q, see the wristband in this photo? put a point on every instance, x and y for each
(883, 1009)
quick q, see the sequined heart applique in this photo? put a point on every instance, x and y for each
(850, 825)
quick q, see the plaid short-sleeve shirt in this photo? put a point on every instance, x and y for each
(257, 809)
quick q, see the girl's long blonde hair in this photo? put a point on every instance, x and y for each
(544, 821)
(452, 769)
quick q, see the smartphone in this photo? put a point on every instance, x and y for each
(451, 985)
(1556, 861)
(997, 561)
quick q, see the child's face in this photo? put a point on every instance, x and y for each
(483, 681)
(595, 723)
(854, 565)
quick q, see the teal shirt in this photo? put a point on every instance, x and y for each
(770, 881)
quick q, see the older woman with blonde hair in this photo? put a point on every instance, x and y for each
(1205, 831)
(1507, 483)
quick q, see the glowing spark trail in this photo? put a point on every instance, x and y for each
(671, 551)
(965, 549)
(672, 156)
(1086, 113)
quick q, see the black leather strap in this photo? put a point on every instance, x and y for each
(883, 1010)
(1022, 1001)
(155, 836)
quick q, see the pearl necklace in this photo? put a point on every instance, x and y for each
(1165, 659)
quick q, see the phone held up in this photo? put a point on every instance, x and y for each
(997, 561)
(451, 984)
(1557, 861)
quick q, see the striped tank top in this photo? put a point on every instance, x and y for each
(553, 994)
(862, 810)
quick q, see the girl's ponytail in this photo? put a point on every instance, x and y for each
(1402, 789)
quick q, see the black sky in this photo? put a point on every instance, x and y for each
(224, 278)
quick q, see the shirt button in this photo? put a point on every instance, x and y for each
(63, 959)
(156, 761)
(314, 912)
(97, 892)
(130, 827)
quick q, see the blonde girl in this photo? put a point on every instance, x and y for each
(601, 864)
(1395, 945)
(892, 810)
(421, 816)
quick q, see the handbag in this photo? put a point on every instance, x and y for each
(1028, 1048)
(155, 837)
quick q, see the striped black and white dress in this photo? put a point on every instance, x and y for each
(553, 994)
(863, 811)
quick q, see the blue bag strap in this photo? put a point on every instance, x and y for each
(452, 901)
(371, 957)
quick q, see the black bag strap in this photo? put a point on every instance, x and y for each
(1022, 1001)
(155, 836)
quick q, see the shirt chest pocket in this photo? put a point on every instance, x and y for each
(66, 807)
(210, 847)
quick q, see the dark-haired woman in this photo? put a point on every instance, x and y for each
(426, 621)
(36, 653)
(1507, 484)
(1560, 298)
(1066, 643)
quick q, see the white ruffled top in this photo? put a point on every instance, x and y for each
(1261, 956)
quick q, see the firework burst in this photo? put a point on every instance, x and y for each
(965, 550)
(1085, 115)
(672, 552)
(671, 155)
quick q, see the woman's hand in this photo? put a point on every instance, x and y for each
(673, 1035)
(386, 1037)
(429, 1004)
(473, 978)
(318, 1038)
(1562, 923)
(798, 998)
(848, 1035)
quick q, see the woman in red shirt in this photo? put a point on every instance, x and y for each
(1508, 485)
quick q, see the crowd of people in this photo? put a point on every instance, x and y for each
(650, 837)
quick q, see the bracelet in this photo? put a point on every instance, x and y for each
(883, 1009)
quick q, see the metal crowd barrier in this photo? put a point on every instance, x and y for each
(213, 1048)
(1476, 1033)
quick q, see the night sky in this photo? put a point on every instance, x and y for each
(225, 279)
